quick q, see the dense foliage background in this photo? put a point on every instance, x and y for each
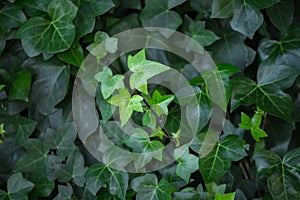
(256, 45)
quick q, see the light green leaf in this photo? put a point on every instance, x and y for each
(73, 169)
(258, 133)
(143, 70)
(99, 175)
(158, 13)
(268, 97)
(1, 86)
(147, 187)
(62, 139)
(20, 85)
(246, 19)
(187, 164)
(197, 31)
(222, 8)
(245, 122)
(126, 104)
(109, 83)
(228, 196)
(74, 55)
(283, 175)
(281, 15)
(218, 161)
(159, 103)
(54, 34)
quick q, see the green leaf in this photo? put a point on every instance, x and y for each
(281, 15)
(245, 122)
(109, 83)
(88, 10)
(143, 70)
(231, 49)
(283, 174)
(99, 175)
(229, 196)
(20, 85)
(246, 19)
(1, 87)
(18, 187)
(62, 139)
(264, 4)
(197, 31)
(158, 13)
(47, 91)
(19, 127)
(64, 192)
(126, 104)
(73, 169)
(105, 108)
(102, 45)
(187, 164)
(11, 16)
(42, 187)
(159, 103)
(54, 34)
(218, 161)
(268, 97)
(35, 158)
(147, 187)
(73, 56)
(282, 76)
(222, 8)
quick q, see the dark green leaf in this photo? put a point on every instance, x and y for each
(62, 139)
(264, 4)
(246, 19)
(11, 16)
(64, 193)
(18, 187)
(74, 55)
(187, 164)
(42, 187)
(99, 175)
(281, 15)
(147, 187)
(222, 8)
(51, 35)
(217, 162)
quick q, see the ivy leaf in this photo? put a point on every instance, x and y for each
(264, 4)
(109, 83)
(74, 55)
(159, 103)
(64, 192)
(1, 86)
(196, 30)
(187, 164)
(48, 91)
(143, 70)
(158, 13)
(42, 187)
(246, 19)
(62, 139)
(147, 187)
(73, 169)
(20, 127)
(11, 16)
(106, 109)
(17, 187)
(283, 174)
(281, 15)
(99, 175)
(87, 12)
(282, 76)
(35, 158)
(126, 104)
(228, 196)
(102, 45)
(222, 8)
(231, 49)
(218, 161)
(52, 35)
(268, 97)
(20, 85)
